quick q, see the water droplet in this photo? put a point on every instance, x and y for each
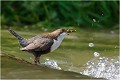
(47, 59)
(91, 44)
(30, 57)
(94, 20)
(59, 68)
(100, 58)
(96, 54)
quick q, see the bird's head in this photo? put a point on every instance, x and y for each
(60, 31)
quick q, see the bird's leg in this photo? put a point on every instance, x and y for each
(37, 56)
(38, 60)
(35, 60)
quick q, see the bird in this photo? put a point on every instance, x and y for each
(42, 43)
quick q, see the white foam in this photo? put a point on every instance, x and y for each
(52, 64)
(103, 68)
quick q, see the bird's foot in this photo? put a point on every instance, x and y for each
(37, 62)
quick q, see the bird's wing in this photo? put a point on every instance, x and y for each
(39, 44)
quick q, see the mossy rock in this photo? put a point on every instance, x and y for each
(14, 68)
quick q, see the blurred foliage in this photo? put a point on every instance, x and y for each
(91, 14)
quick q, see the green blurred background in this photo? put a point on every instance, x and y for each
(49, 14)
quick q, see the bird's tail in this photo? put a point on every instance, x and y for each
(15, 34)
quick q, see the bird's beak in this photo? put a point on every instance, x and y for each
(70, 31)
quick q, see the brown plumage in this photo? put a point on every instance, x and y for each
(43, 43)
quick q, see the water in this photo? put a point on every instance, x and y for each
(98, 67)
(52, 64)
(21, 70)
(85, 52)
(101, 67)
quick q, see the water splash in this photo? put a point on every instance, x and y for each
(103, 68)
(52, 64)
(98, 67)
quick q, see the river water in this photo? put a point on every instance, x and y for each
(86, 52)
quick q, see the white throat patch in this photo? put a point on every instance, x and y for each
(57, 42)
